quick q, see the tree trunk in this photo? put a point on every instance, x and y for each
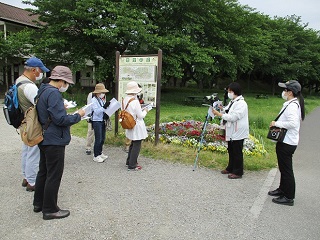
(183, 82)
(175, 82)
(200, 84)
(273, 86)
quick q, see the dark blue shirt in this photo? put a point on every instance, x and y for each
(50, 106)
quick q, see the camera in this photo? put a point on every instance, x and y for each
(212, 98)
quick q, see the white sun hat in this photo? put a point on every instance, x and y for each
(133, 87)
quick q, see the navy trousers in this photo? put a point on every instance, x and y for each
(99, 135)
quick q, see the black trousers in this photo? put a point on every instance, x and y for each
(235, 164)
(133, 154)
(287, 182)
(49, 177)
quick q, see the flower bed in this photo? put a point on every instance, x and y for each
(188, 134)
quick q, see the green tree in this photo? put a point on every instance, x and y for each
(202, 40)
(76, 31)
(287, 50)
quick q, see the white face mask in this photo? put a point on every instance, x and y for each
(102, 95)
(63, 89)
(39, 77)
(284, 96)
(230, 95)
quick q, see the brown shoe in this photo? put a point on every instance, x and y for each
(24, 182)
(225, 171)
(234, 176)
(30, 188)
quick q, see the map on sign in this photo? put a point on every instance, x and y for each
(137, 73)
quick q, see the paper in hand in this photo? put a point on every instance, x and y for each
(147, 106)
(210, 113)
(69, 104)
(113, 107)
(216, 105)
(87, 110)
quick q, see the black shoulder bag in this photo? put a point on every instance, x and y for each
(276, 133)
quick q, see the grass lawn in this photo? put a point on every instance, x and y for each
(173, 108)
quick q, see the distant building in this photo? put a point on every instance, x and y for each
(14, 19)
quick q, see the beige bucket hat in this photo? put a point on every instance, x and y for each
(100, 88)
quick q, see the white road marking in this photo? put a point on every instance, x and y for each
(257, 206)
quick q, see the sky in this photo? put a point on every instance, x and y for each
(16, 3)
(308, 10)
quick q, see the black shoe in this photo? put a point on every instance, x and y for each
(37, 209)
(283, 200)
(276, 192)
(88, 152)
(56, 215)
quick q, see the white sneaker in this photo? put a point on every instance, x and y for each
(103, 156)
(98, 159)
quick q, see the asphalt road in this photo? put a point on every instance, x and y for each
(163, 200)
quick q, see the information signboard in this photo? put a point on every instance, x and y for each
(141, 69)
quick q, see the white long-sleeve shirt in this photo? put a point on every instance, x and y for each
(290, 119)
(139, 131)
(237, 125)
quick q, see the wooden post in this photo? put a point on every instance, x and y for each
(116, 117)
(157, 123)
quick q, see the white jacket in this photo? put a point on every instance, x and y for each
(237, 126)
(290, 119)
(139, 131)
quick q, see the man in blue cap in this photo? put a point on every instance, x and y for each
(34, 70)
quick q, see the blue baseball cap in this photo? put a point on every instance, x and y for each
(36, 62)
